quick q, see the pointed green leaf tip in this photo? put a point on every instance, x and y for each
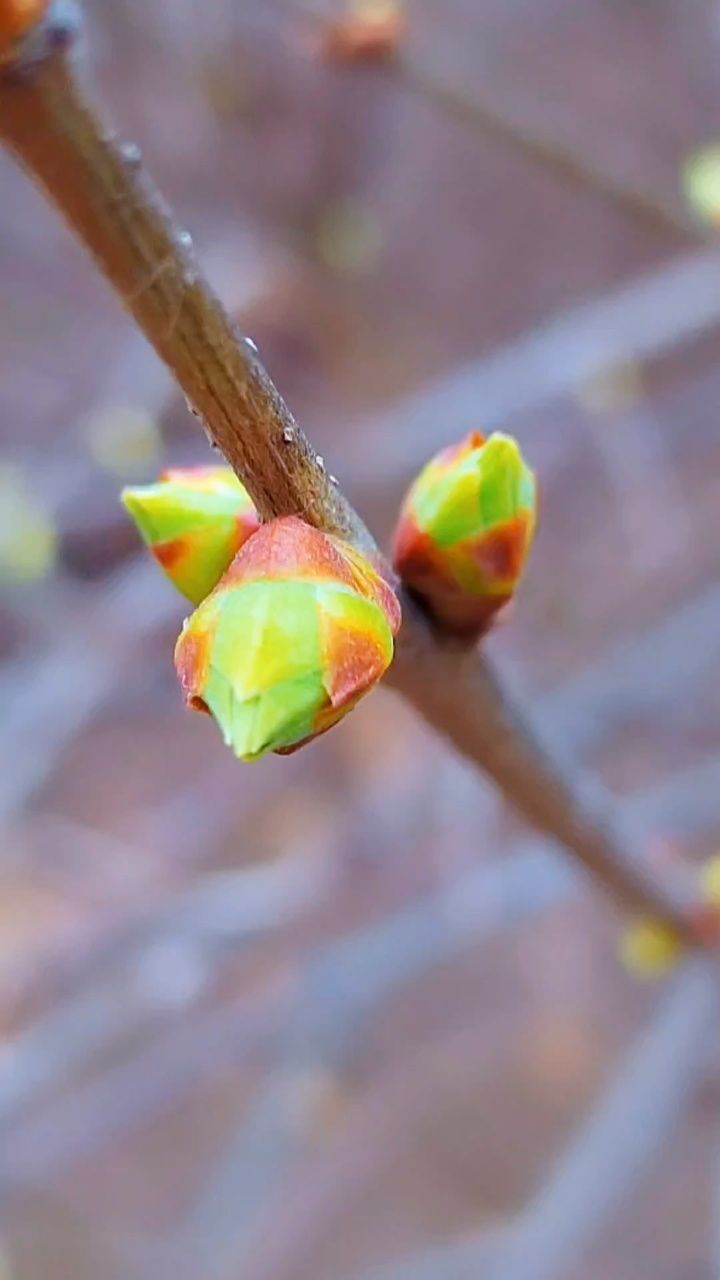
(465, 530)
(296, 631)
(506, 485)
(193, 520)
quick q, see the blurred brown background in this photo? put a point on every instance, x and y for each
(341, 1016)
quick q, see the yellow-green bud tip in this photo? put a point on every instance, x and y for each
(194, 520)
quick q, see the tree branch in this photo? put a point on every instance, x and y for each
(99, 185)
(459, 695)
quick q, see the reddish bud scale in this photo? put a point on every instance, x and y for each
(499, 556)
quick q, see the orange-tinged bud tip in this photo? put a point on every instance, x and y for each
(17, 17)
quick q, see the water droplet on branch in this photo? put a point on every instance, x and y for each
(131, 154)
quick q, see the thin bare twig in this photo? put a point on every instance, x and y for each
(600, 1167)
(432, 73)
(373, 962)
(625, 1130)
(123, 1095)
(656, 311)
(343, 985)
(100, 186)
(655, 1082)
(229, 910)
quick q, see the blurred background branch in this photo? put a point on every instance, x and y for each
(430, 67)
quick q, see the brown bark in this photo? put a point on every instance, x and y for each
(99, 185)
(460, 695)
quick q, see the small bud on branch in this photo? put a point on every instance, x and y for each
(194, 520)
(297, 630)
(465, 530)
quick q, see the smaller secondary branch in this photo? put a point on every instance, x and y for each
(429, 75)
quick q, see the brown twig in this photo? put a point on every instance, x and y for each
(628, 198)
(100, 186)
(460, 695)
